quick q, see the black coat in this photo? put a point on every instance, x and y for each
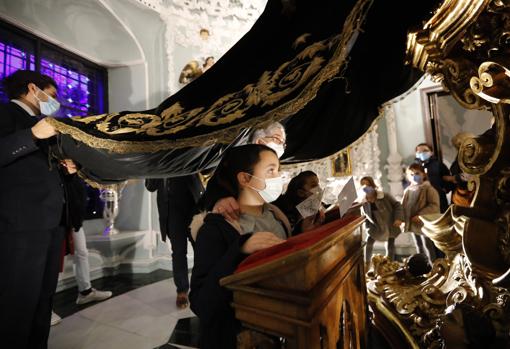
(217, 254)
(212, 194)
(76, 198)
(177, 200)
(30, 185)
(435, 172)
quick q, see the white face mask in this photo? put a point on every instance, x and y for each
(49, 107)
(278, 148)
(272, 190)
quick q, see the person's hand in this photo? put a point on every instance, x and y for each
(308, 223)
(397, 223)
(259, 241)
(43, 129)
(416, 219)
(228, 208)
(69, 165)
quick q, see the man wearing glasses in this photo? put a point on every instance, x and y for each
(273, 136)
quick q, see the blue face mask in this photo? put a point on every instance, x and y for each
(418, 178)
(368, 190)
(424, 156)
(50, 107)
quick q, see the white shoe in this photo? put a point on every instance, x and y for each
(55, 319)
(93, 296)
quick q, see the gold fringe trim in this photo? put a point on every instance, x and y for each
(351, 26)
(101, 186)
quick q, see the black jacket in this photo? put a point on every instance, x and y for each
(31, 191)
(177, 199)
(217, 254)
(76, 199)
(435, 172)
(212, 194)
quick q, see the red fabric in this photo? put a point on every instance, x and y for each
(293, 244)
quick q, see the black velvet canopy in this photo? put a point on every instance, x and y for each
(321, 67)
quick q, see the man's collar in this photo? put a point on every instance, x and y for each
(24, 106)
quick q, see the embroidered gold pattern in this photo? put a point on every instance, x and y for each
(297, 80)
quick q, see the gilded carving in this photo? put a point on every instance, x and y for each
(465, 45)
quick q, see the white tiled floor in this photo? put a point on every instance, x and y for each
(141, 319)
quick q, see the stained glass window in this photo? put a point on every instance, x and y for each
(81, 84)
(73, 87)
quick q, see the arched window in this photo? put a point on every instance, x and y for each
(82, 84)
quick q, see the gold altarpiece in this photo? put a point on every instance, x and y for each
(466, 46)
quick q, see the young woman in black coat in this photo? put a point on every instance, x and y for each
(250, 174)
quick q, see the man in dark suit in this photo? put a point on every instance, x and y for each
(177, 198)
(31, 206)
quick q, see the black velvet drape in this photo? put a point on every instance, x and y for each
(263, 77)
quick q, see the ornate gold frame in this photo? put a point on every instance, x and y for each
(464, 47)
(347, 155)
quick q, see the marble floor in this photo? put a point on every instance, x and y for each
(141, 315)
(143, 318)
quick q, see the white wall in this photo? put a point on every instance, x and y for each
(410, 124)
(149, 80)
(83, 27)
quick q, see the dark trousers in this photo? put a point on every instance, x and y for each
(29, 267)
(178, 233)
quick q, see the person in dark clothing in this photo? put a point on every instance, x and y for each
(76, 243)
(435, 171)
(177, 199)
(384, 216)
(249, 173)
(31, 207)
(300, 187)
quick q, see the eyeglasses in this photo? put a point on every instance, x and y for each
(276, 140)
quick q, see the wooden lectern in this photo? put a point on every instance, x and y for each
(309, 290)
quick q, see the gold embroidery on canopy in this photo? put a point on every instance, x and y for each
(307, 69)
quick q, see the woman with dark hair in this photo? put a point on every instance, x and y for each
(420, 198)
(300, 187)
(384, 216)
(249, 173)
